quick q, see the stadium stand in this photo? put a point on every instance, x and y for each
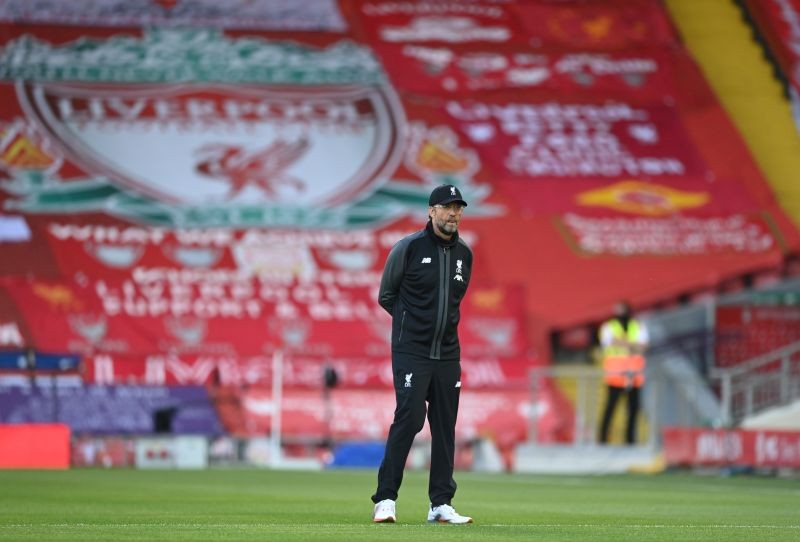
(756, 102)
(188, 194)
(776, 25)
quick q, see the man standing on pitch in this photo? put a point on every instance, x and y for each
(424, 280)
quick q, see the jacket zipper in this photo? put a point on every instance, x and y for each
(402, 324)
(444, 297)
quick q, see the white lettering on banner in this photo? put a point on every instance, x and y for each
(155, 290)
(431, 8)
(298, 371)
(336, 293)
(718, 446)
(235, 371)
(766, 448)
(773, 449)
(434, 56)
(449, 29)
(347, 312)
(554, 113)
(211, 237)
(155, 371)
(315, 238)
(212, 300)
(206, 111)
(219, 237)
(110, 234)
(190, 373)
(153, 302)
(189, 276)
(273, 293)
(569, 140)
(790, 450)
(605, 65)
(307, 293)
(678, 235)
(142, 275)
(484, 373)
(10, 335)
(350, 280)
(103, 369)
(598, 162)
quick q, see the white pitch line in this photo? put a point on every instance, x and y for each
(369, 524)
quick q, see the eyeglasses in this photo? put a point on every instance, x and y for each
(455, 207)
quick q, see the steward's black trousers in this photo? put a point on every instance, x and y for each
(417, 381)
(613, 396)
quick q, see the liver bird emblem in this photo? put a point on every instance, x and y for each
(264, 168)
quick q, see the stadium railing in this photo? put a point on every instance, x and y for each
(766, 381)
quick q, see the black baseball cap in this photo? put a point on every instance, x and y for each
(444, 194)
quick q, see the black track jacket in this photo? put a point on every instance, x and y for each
(423, 283)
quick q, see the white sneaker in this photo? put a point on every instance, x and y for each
(384, 512)
(447, 514)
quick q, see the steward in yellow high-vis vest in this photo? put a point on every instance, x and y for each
(623, 362)
(623, 340)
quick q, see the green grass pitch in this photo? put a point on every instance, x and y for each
(266, 505)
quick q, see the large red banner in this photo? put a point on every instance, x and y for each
(239, 195)
(689, 446)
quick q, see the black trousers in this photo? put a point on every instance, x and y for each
(614, 394)
(418, 381)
